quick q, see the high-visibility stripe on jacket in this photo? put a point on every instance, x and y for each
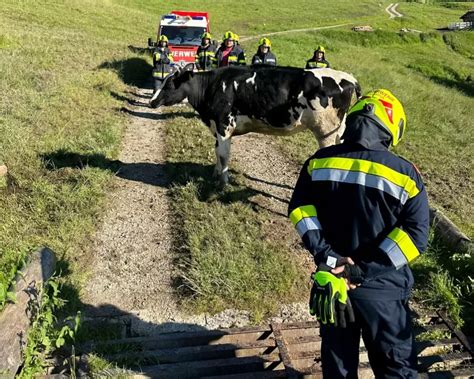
(206, 57)
(236, 56)
(370, 205)
(162, 59)
(312, 63)
(268, 58)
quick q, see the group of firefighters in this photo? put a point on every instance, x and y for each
(362, 212)
(229, 53)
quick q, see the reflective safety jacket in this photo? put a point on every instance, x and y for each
(370, 205)
(268, 58)
(162, 59)
(236, 56)
(314, 63)
(206, 57)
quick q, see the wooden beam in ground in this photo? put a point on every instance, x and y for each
(14, 320)
(284, 352)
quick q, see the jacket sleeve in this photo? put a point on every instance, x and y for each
(241, 58)
(307, 65)
(405, 242)
(303, 214)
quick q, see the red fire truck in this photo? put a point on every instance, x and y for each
(184, 30)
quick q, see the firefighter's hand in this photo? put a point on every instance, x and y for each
(329, 301)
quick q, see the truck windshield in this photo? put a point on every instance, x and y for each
(183, 35)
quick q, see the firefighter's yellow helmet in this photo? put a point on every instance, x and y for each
(236, 37)
(321, 49)
(163, 38)
(385, 109)
(206, 35)
(228, 35)
(265, 42)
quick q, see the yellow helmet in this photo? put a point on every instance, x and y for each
(265, 42)
(206, 35)
(228, 35)
(163, 38)
(385, 109)
(236, 37)
(321, 49)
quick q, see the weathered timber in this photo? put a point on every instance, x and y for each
(14, 319)
(449, 233)
(284, 352)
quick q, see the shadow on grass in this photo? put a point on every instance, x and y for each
(158, 116)
(164, 175)
(463, 85)
(132, 71)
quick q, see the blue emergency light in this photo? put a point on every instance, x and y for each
(170, 16)
(198, 17)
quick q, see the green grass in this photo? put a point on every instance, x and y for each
(224, 256)
(433, 81)
(65, 67)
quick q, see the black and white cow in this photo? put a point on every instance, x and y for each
(263, 99)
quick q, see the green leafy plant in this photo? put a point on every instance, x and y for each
(45, 335)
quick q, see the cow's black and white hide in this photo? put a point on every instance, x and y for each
(263, 99)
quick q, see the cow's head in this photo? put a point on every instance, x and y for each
(175, 88)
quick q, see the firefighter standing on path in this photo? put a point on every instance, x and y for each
(264, 55)
(206, 54)
(229, 53)
(162, 60)
(363, 213)
(318, 60)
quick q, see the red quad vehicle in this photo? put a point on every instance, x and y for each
(184, 30)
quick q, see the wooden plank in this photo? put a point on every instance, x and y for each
(441, 361)
(250, 375)
(284, 353)
(14, 319)
(194, 353)
(449, 233)
(183, 339)
(459, 335)
(210, 368)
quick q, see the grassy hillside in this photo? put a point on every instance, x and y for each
(66, 67)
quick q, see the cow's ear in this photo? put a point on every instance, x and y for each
(188, 67)
(183, 77)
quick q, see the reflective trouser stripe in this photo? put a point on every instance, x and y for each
(304, 219)
(399, 247)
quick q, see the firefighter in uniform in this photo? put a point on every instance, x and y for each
(264, 55)
(229, 53)
(318, 60)
(363, 213)
(162, 60)
(206, 54)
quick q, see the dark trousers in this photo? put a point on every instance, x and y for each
(387, 333)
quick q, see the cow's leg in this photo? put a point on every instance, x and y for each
(223, 154)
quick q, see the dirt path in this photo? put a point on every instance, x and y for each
(392, 11)
(273, 176)
(132, 272)
(243, 39)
